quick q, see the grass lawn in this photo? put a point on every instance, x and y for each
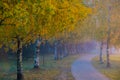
(51, 70)
(114, 71)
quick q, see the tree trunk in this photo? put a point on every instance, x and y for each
(108, 37)
(19, 60)
(66, 52)
(36, 55)
(101, 48)
(43, 57)
(108, 60)
(107, 50)
(55, 52)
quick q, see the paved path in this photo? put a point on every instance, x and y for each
(82, 69)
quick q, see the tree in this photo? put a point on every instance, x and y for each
(16, 30)
(108, 38)
(107, 31)
(66, 14)
(113, 23)
(101, 49)
(99, 20)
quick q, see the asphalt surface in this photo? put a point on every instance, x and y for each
(82, 69)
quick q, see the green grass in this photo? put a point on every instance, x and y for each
(114, 71)
(50, 71)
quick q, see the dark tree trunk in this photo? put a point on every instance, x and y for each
(66, 52)
(55, 52)
(19, 60)
(101, 48)
(43, 57)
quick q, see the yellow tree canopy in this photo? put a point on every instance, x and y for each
(26, 19)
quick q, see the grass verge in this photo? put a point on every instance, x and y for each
(114, 71)
(51, 70)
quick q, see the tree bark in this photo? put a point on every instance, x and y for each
(19, 60)
(43, 57)
(108, 60)
(55, 52)
(66, 52)
(107, 50)
(101, 48)
(36, 54)
(108, 37)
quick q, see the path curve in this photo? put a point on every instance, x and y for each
(82, 69)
